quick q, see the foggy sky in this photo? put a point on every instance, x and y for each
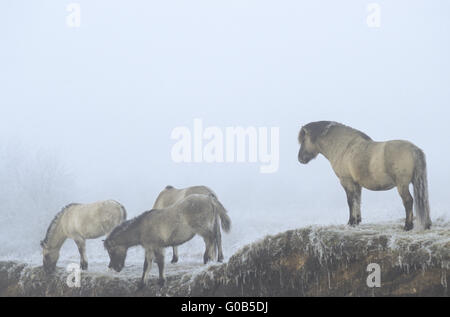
(105, 97)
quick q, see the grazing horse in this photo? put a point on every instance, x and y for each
(358, 162)
(157, 229)
(171, 195)
(80, 222)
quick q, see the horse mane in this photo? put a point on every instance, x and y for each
(321, 128)
(55, 221)
(125, 225)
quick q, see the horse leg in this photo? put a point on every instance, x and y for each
(159, 259)
(209, 248)
(147, 267)
(353, 192)
(141, 283)
(175, 255)
(218, 241)
(407, 199)
(219, 247)
(81, 244)
(357, 204)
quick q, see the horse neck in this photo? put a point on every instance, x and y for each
(333, 146)
(129, 236)
(56, 237)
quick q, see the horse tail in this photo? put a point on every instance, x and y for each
(218, 236)
(420, 184)
(122, 208)
(124, 212)
(225, 220)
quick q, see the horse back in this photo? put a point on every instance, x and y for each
(381, 165)
(196, 210)
(164, 227)
(93, 220)
(400, 158)
(170, 195)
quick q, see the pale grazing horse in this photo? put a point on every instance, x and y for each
(358, 162)
(80, 222)
(171, 195)
(158, 229)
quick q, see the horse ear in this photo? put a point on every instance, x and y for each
(301, 135)
(305, 130)
(107, 243)
(42, 244)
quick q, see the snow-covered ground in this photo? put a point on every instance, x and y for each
(247, 227)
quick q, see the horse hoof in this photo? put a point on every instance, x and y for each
(352, 222)
(174, 260)
(408, 226)
(161, 282)
(84, 266)
(140, 285)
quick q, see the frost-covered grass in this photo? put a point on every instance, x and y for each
(309, 261)
(247, 227)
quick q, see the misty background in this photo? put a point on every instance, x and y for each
(86, 113)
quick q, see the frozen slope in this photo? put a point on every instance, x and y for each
(312, 261)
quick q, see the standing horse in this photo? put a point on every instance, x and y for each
(157, 229)
(80, 222)
(358, 161)
(171, 195)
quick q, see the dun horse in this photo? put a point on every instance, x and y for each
(157, 229)
(171, 195)
(80, 222)
(358, 162)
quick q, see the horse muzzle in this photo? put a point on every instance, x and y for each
(305, 158)
(116, 268)
(49, 269)
(302, 159)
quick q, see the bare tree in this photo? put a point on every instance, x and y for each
(34, 185)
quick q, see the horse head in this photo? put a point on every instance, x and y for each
(308, 147)
(117, 255)
(50, 257)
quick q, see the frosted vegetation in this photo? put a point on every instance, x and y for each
(314, 261)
